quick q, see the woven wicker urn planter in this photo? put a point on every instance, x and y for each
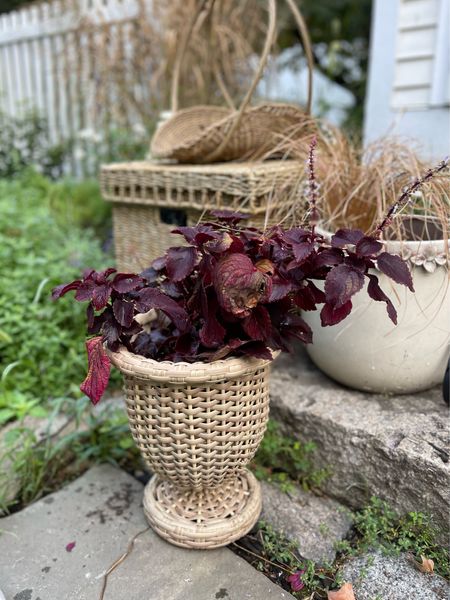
(197, 426)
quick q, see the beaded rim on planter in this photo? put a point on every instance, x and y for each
(195, 519)
(197, 426)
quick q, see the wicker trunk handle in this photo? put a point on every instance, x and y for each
(270, 38)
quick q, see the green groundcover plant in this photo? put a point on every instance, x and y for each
(39, 343)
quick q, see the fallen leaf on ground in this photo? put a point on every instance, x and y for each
(427, 565)
(344, 593)
(70, 546)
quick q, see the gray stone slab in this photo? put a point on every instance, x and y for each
(393, 447)
(314, 523)
(101, 512)
(378, 577)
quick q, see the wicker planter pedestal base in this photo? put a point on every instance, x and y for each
(205, 518)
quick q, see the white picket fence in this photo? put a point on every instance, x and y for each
(46, 61)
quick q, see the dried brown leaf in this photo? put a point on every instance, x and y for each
(344, 593)
(427, 565)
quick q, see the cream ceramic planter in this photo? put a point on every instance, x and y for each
(197, 426)
(368, 352)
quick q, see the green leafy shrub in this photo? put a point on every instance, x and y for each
(24, 142)
(30, 468)
(41, 345)
(80, 204)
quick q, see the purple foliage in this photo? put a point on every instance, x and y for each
(232, 290)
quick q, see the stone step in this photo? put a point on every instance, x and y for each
(314, 523)
(375, 576)
(396, 447)
(101, 512)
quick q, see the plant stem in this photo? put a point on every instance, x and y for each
(403, 200)
(284, 568)
(312, 182)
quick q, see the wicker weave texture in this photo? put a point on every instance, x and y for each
(198, 424)
(203, 519)
(193, 134)
(140, 191)
(248, 187)
(140, 236)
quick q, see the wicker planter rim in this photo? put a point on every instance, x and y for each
(183, 372)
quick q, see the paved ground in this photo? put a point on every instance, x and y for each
(314, 523)
(394, 447)
(101, 512)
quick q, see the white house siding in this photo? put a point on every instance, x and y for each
(408, 91)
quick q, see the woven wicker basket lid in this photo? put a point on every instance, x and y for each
(205, 134)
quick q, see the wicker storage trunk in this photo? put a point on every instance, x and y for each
(150, 199)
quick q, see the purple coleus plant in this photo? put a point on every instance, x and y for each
(231, 290)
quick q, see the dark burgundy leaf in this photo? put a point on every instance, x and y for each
(281, 287)
(103, 275)
(342, 237)
(341, 283)
(302, 251)
(152, 298)
(181, 262)
(358, 262)
(187, 345)
(99, 369)
(212, 333)
(188, 233)
(329, 257)
(70, 546)
(367, 246)
(159, 263)
(295, 235)
(330, 315)
(294, 326)
(258, 325)
(85, 290)
(172, 289)
(123, 311)
(110, 332)
(100, 295)
(256, 349)
(229, 216)
(396, 268)
(237, 245)
(319, 295)
(61, 290)
(90, 315)
(308, 297)
(145, 344)
(150, 275)
(376, 293)
(126, 282)
(225, 350)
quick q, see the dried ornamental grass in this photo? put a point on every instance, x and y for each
(357, 186)
(128, 63)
